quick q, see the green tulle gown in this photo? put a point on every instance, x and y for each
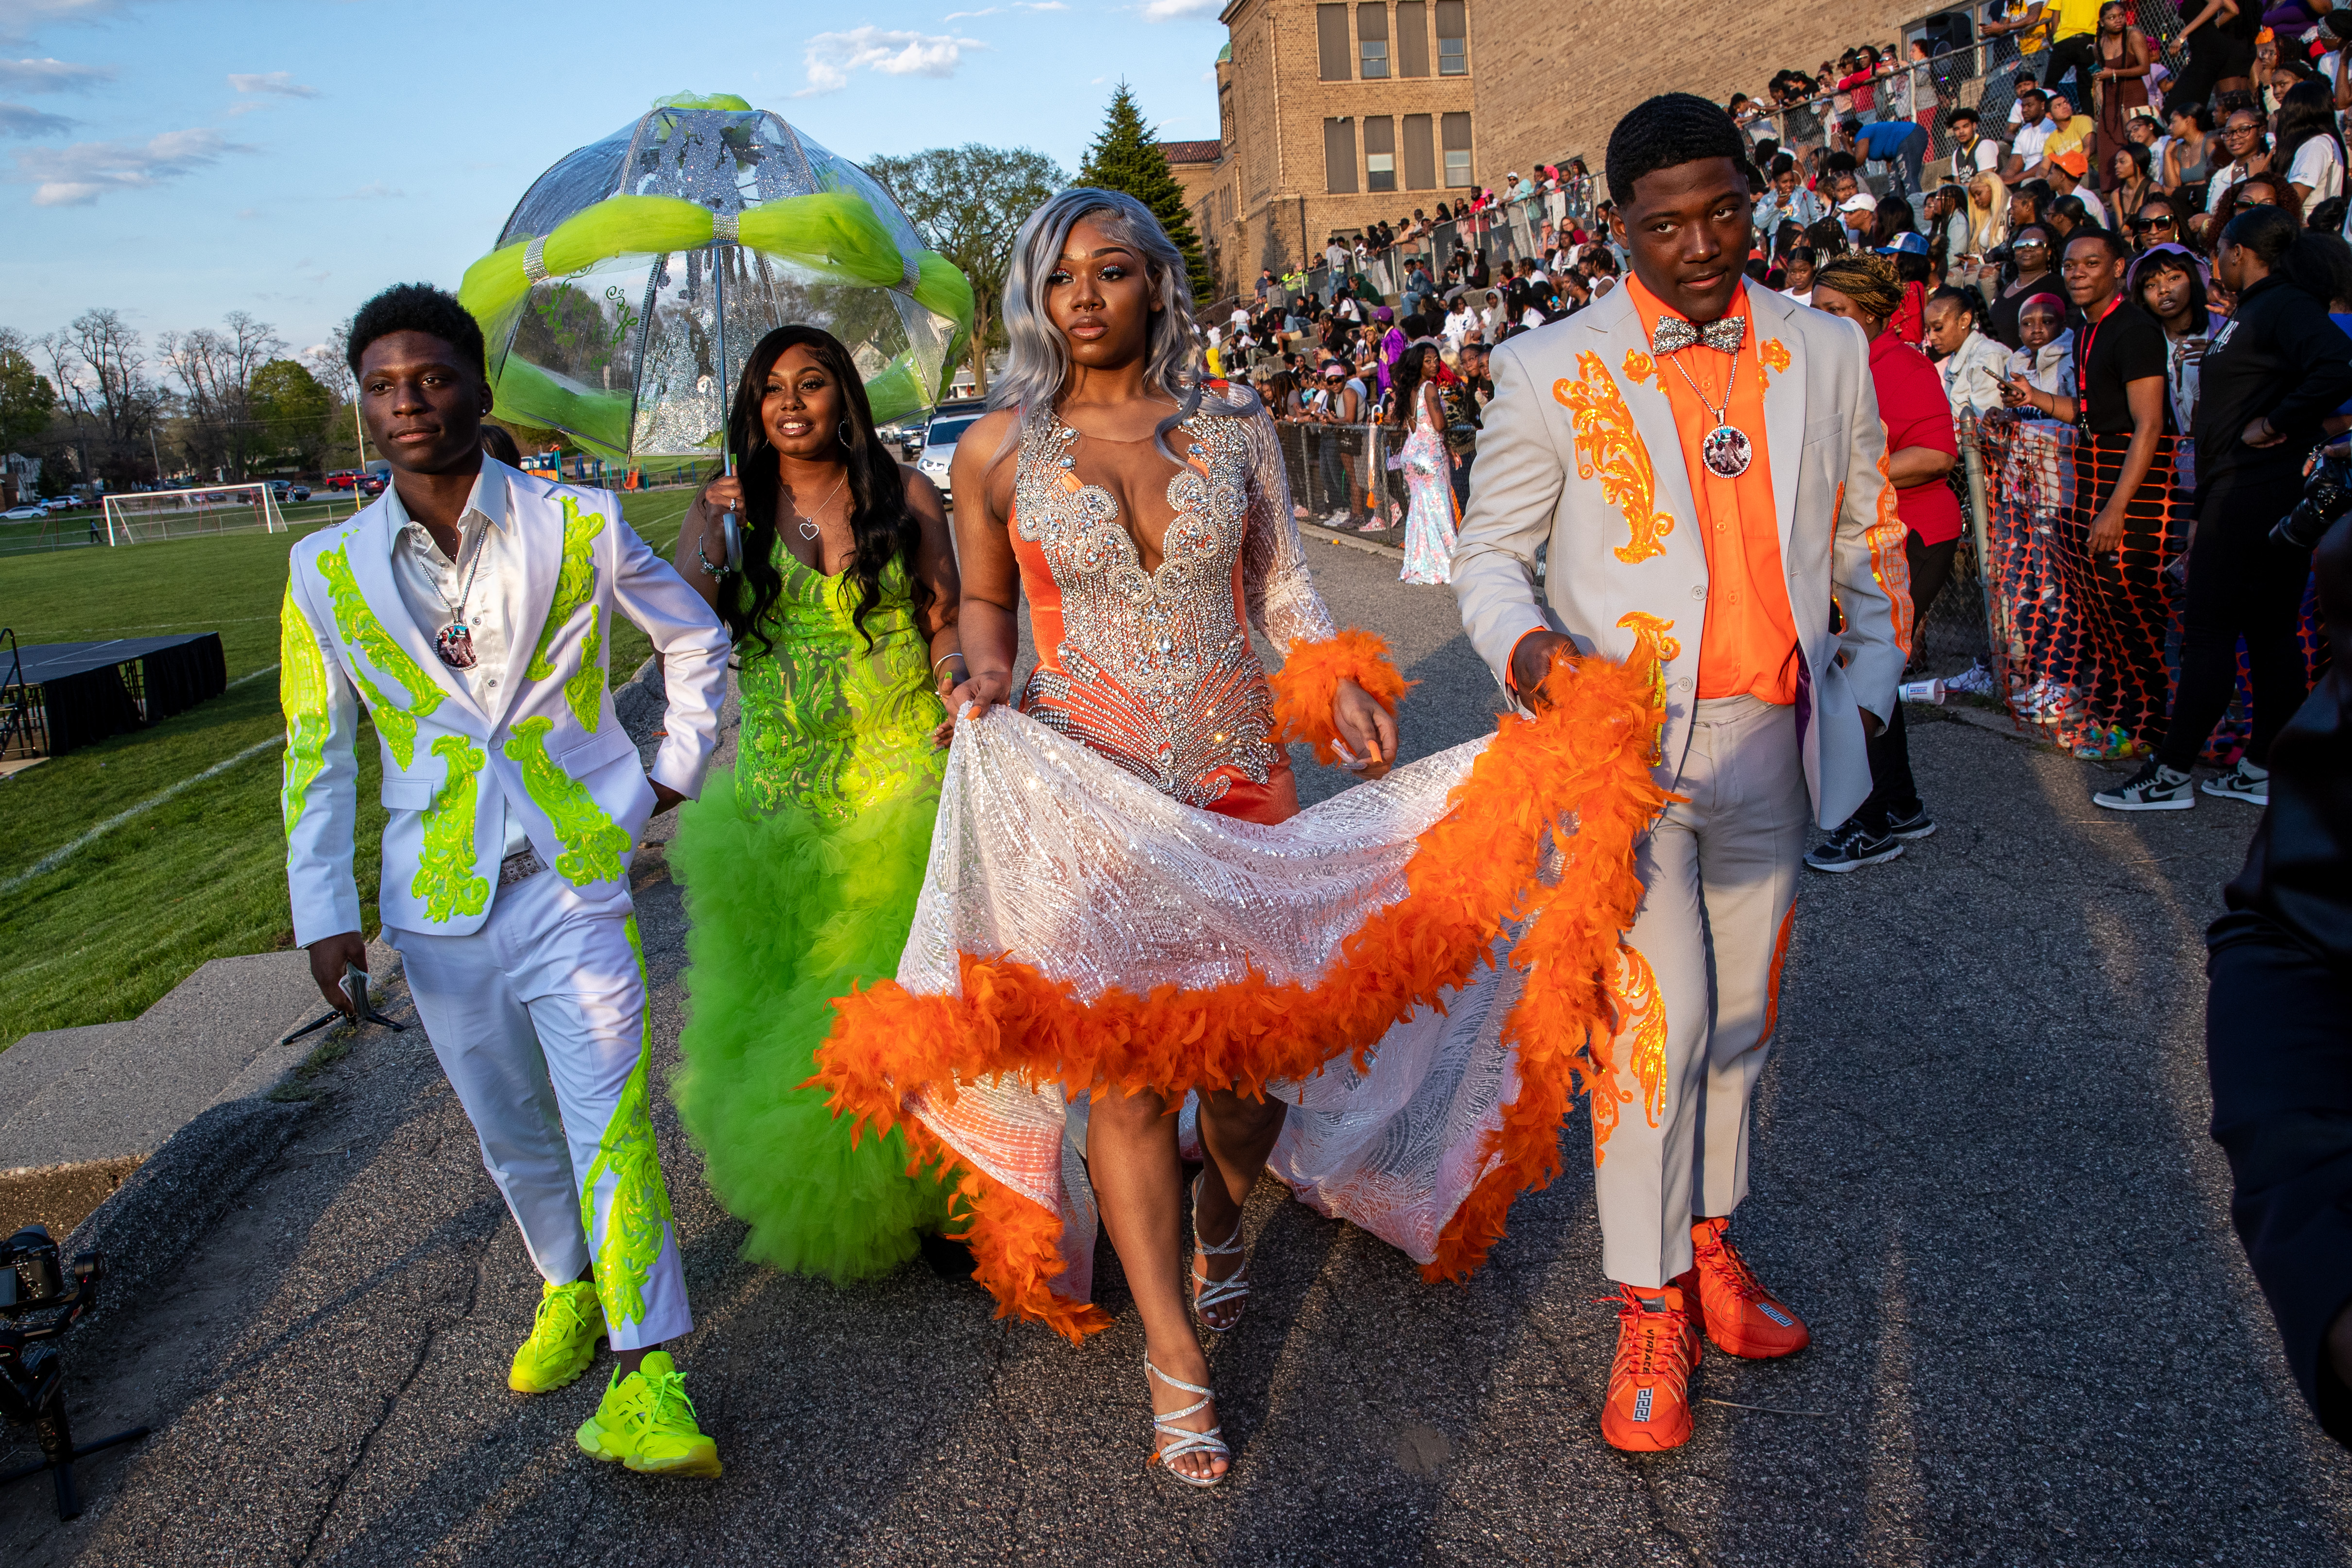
(801, 872)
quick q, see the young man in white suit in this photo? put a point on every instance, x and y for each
(1705, 460)
(471, 608)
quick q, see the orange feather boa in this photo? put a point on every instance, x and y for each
(1307, 685)
(1584, 761)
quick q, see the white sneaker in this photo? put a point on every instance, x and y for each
(2060, 703)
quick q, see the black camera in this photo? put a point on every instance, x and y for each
(2327, 496)
(41, 1297)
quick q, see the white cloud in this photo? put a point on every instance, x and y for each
(78, 175)
(373, 190)
(279, 84)
(960, 15)
(17, 120)
(20, 18)
(52, 75)
(832, 56)
(1173, 10)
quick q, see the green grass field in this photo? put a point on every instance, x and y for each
(131, 915)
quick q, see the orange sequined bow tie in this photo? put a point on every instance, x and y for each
(1673, 333)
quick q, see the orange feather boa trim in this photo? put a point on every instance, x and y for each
(1584, 761)
(1307, 685)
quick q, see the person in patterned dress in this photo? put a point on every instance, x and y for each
(1142, 512)
(801, 869)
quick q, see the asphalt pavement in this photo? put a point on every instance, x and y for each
(1980, 1169)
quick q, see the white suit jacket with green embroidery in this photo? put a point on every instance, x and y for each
(549, 748)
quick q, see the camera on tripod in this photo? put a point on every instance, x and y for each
(42, 1297)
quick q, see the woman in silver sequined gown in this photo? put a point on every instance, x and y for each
(1143, 515)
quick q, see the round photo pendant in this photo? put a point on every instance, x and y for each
(1726, 452)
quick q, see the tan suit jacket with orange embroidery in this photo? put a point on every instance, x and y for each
(1565, 459)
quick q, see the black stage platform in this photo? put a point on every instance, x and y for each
(88, 691)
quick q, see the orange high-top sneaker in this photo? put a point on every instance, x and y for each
(1742, 1318)
(1648, 1408)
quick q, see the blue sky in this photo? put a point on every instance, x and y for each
(180, 160)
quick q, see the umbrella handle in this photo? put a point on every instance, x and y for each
(734, 534)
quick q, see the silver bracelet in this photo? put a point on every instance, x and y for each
(944, 657)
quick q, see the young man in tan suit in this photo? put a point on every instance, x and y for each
(1705, 460)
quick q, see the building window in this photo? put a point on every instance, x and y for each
(1413, 37)
(1339, 156)
(1225, 206)
(1420, 154)
(1453, 39)
(1380, 152)
(1455, 133)
(1331, 43)
(1372, 40)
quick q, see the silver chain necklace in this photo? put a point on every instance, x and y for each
(808, 527)
(455, 642)
(1725, 450)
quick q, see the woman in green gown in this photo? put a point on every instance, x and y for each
(800, 870)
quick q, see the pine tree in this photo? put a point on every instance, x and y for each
(1126, 158)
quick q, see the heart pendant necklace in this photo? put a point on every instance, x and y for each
(809, 530)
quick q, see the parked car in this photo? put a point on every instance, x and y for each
(287, 489)
(372, 484)
(61, 503)
(25, 513)
(949, 422)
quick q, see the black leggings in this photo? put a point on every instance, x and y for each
(1892, 793)
(2242, 584)
(2278, 1048)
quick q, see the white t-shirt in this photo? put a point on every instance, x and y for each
(1804, 299)
(2090, 199)
(2029, 140)
(2319, 165)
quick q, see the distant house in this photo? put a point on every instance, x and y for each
(20, 478)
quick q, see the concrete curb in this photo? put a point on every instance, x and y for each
(151, 1221)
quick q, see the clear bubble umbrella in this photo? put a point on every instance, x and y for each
(635, 274)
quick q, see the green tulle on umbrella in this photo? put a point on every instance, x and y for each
(834, 235)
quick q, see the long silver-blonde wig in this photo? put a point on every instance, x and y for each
(1039, 363)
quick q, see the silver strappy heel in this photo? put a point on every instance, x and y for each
(1187, 1441)
(1209, 1293)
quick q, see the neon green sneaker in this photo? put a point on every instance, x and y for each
(563, 1339)
(646, 1423)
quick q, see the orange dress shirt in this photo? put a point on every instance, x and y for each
(1749, 644)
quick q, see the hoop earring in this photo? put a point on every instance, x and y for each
(847, 445)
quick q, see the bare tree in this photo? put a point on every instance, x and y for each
(99, 372)
(216, 371)
(968, 203)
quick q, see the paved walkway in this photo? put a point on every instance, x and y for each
(1980, 1170)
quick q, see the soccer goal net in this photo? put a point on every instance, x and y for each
(137, 517)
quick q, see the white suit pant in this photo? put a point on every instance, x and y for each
(539, 1018)
(1719, 884)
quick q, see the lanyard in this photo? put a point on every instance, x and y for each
(2082, 362)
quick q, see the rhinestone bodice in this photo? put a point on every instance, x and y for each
(1155, 668)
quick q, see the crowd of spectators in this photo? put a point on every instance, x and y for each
(1991, 196)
